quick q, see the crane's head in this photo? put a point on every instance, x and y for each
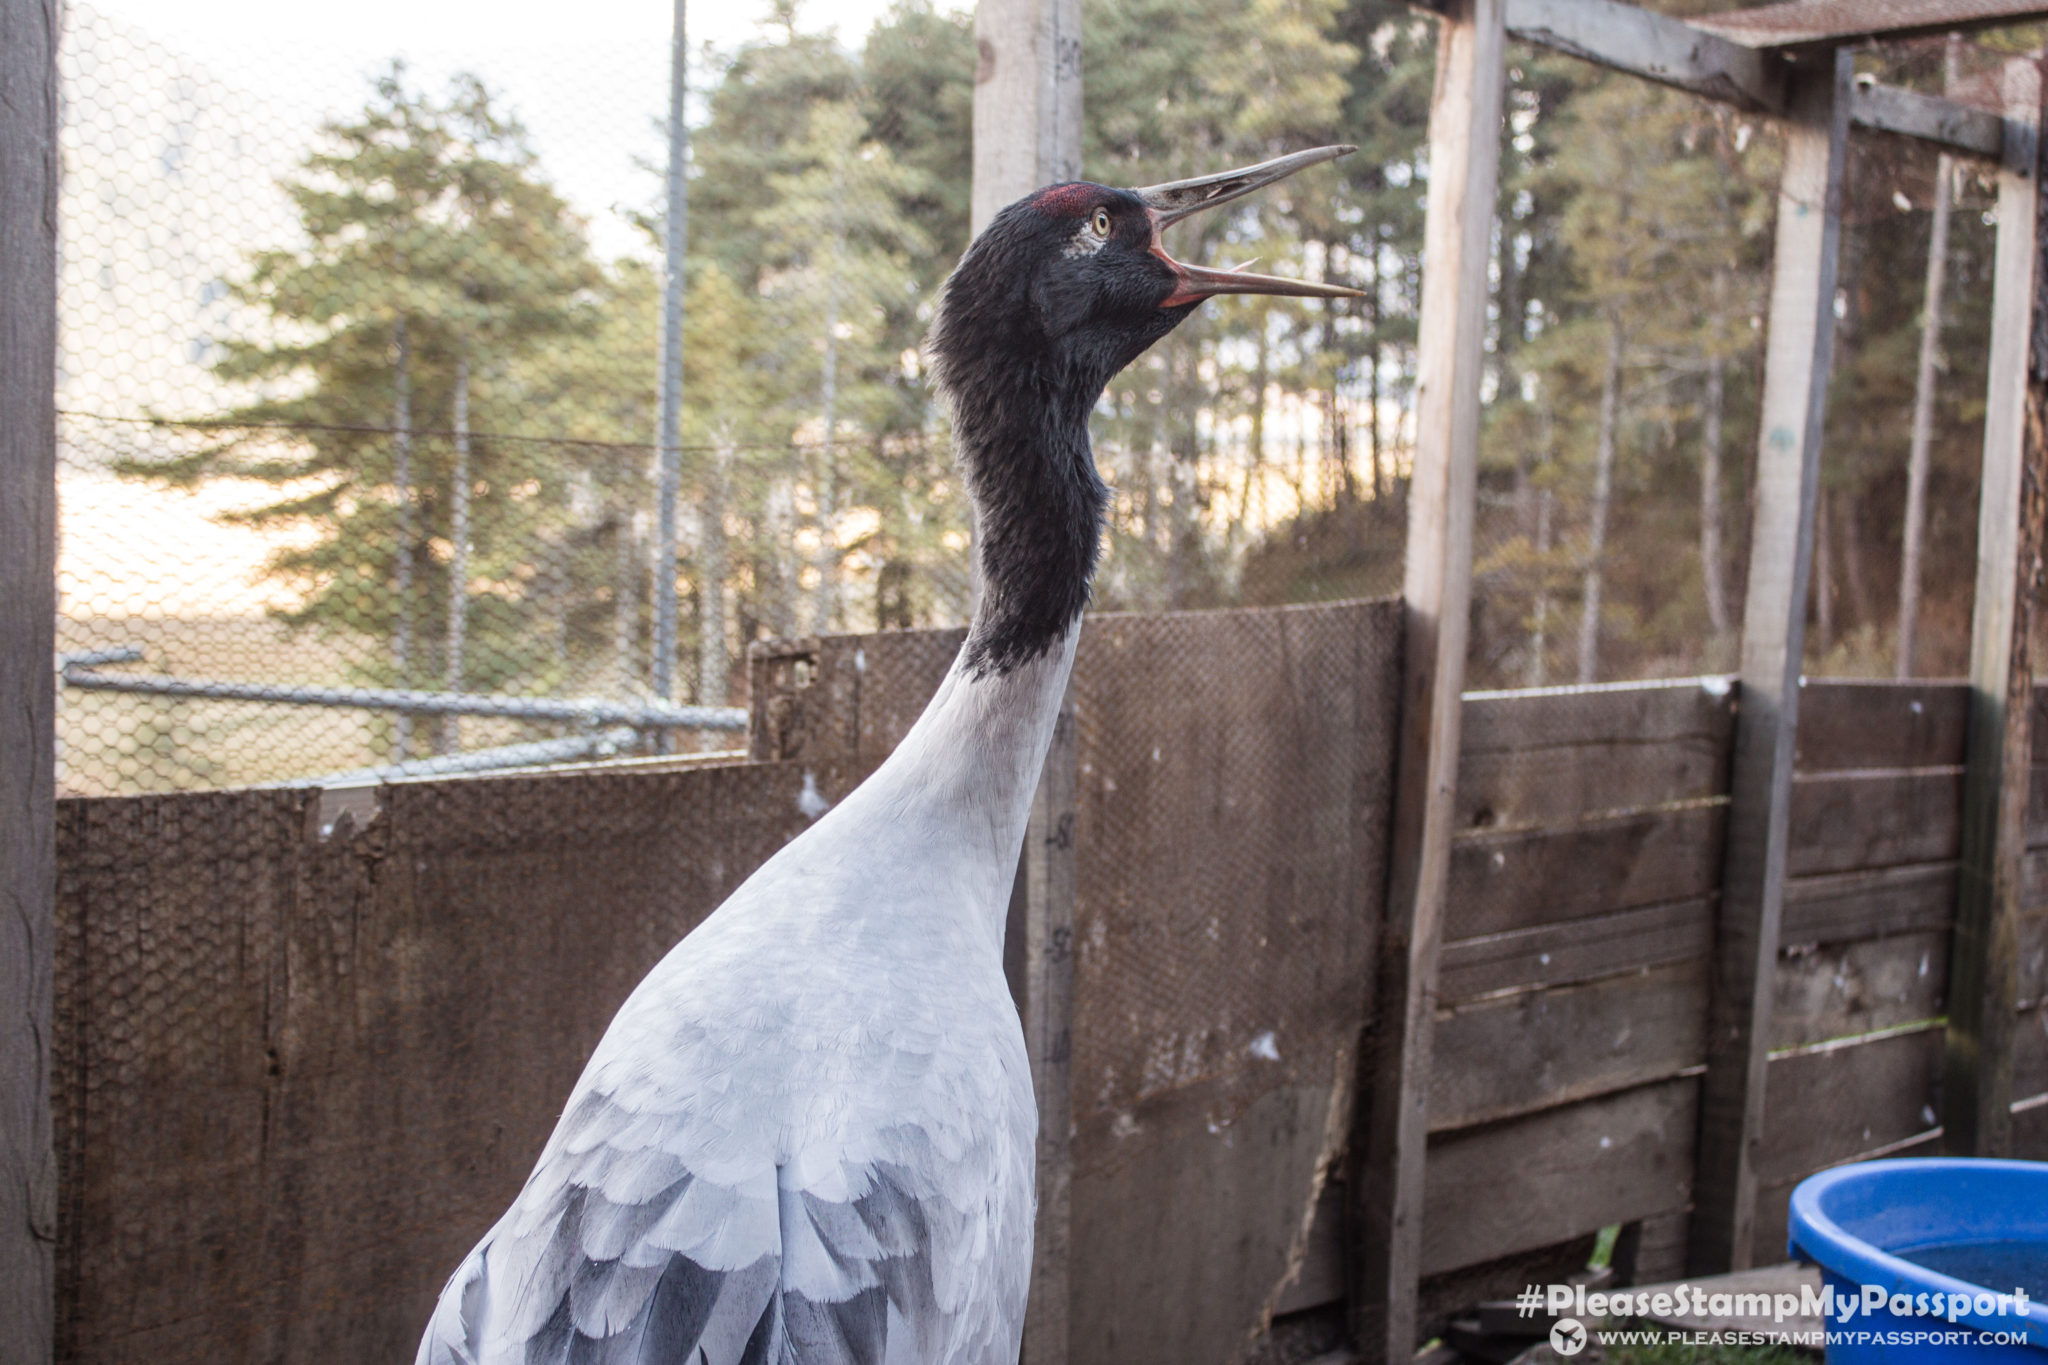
(1078, 274)
(1057, 294)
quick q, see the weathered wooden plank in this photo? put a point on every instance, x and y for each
(1027, 101)
(2030, 1129)
(300, 1077)
(1868, 724)
(1040, 939)
(1840, 989)
(1498, 1279)
(1803, 24)
(1835, 1101)
(28, 613)
(1390, 1151)
(1532, 1181)
(1322, 1277)
(2031, 987)
(1517, 1054)
(1798, 355)
(1232, 843)
(1774, 1201)
(1517, 880)
(1844, 821)
(2030, 1053)
(1181, 1167)
(1837, 907)
(1647, 44)
(1977, 1073)
(1551, 756)
(1928, 118)
(1577, 950)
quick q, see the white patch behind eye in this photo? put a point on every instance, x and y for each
(1083, 243)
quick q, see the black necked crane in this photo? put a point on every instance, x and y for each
(808, 1134)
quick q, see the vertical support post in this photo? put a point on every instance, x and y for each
(1797, 357)
(1027, 100)
(1027, 125)
(669, 448)
(1038, 956)
(28, 617)
(1464, 159)
(1976, 1092)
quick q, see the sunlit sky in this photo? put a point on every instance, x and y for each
(589, 79)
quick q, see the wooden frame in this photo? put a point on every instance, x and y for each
(28, 618)
(1978, 1058)
(1789, 61)
(1800, 348)
(1464, 143)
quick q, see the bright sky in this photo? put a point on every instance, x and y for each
(589, 79)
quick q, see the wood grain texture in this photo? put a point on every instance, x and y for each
(1231, 836)
(2030, 1053)
(1835, 907)
(1837, 990)
(1831, 1104)
(1647, 44)
(1552, 756)
(28, 614)
(1867, 724)
(1798, 357)
(1041, 933)
(1391, 1146)
(1849, 821)
(1577, 950)
(1977, 1073)
(298, 1078)
(1517, 1054)
(1943, 123)
(1504, 882)
(1533, 1181)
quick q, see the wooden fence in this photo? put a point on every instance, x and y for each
(298, 1074)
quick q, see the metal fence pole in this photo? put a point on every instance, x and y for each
(669, 458)
(28, 617)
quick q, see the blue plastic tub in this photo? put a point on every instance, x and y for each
(1942, 1226)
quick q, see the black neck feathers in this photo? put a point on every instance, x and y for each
(1022, 347)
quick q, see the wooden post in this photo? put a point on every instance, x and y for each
(1027, 100)
(1976, 1092)
(1038, 954)
(1464, 157)
(28, 616)
(1799, 347)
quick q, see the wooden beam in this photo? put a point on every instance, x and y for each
(1655, 47)
(1027, 100)
(1464, 153)
(1801, 340)
(1818, 24)
(1710, 59)
(1038, 955)
(28, 616)
(1977, 1062)
(1927, 118)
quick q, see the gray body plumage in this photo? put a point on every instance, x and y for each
(808, 1134)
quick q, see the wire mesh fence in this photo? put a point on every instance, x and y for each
(360, 386)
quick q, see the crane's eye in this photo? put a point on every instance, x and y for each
(1101, 223)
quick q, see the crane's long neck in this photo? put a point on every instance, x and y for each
(960, 784)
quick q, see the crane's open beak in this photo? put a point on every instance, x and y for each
(1172, 202)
